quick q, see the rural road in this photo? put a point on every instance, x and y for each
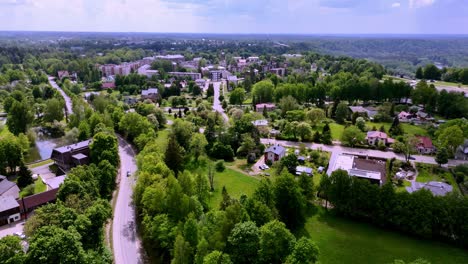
(357, 151)
(68, 101)
(125, 241)
(216, 103)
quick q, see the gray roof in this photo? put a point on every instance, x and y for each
(302, 169)
(78, 145)
(55, 182)
(149, 91)
(437, 188)
(6, 185)
(277, 149)
(79, 156)
(7, 203)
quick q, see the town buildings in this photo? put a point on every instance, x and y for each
(375, 138)
(192, 75)
(372, 169)
(151, 94)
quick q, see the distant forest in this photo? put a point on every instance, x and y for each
(400, 54)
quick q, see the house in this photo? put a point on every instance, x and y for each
(54, 183)
(232, 80)
(274, 132)
(200, 82)
(69, 156)
(274, 153)
(9, 210)
(462, 151)
(371, 169)
(260, 123)
(63, 74)
(404, 116)
(29, 203)
(375, 138)
(151, 94)
(8, 188)
(108, 85)
(425, 145)
(302, 169)
(370, 112)
(173, 58)
(129, 100)
(278, 71)
(267, 106)
(436, 188)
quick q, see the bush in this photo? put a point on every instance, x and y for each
(220, 166)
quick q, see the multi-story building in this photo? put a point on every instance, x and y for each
(192, 75)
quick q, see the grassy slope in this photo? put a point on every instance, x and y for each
(344, 241)
(407, 128)
(236, 184)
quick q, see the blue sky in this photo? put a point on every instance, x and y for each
(239, 16)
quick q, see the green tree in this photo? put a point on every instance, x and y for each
(287, 104)
(419, 73)
(53, 110)
(217, 257)
(19, 117)
(24, 176)
(197, 145)
(244, 243)
(202, 251)
(104, 147)
(450, 138)
(352, 136)
(315, 116)
(341, 113)
(174, 155)
(182, 251)
(262, 92)
(441, 156)
(11, 250)
(305, 251)
(304, 131)
(306, 184)
(289, 200)
(276, 242)
(237, 96)
(361, 123)
(52, 244)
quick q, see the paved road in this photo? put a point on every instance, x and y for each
(216, 103)
(125, 241)
(68, 101)
(371, 152)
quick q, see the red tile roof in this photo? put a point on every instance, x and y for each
(425, 142)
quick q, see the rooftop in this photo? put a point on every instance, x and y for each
(303, 169)
(277, 149)
(35, 200)
(79, 145)
(376, 134)
(7, 203)
(6, 185)
(436, 188)
(149, 91)
(79, 156)
(54, 183)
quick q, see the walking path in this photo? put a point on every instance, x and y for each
(68, 101)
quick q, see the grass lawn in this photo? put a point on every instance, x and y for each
(38, 164)
(336, 131)
(407, 128)
(451, 84)
(236, 184)
(162, 138)
(39, 187)
(345, 241)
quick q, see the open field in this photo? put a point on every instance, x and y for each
(345, 241)
(236, 184)
(336, 131)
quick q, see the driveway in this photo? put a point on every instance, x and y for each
(43, 171)
(12, 228)
(126, 244)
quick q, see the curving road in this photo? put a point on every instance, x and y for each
(68, 101)
(126, 244)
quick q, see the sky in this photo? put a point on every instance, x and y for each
(238, 16)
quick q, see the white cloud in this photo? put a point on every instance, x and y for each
(396, 5)
(420, 3)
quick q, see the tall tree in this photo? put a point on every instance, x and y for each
(244, 243)
(341, 113)
(19, 117)
(441, 156)
(289, 200)
(53, 110)
(276, 242)
(174, 155)
(305, 251)
(237, 96)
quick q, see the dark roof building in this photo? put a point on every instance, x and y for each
(28, 204)
(69, 156)
(8, 188)
(9, 210)
(436, 188)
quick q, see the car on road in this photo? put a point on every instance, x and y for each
(128, 174)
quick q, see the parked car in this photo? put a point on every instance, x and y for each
(263, 167)
(20, 235)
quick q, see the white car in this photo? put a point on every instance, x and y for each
(20, 235)
(263, 167)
